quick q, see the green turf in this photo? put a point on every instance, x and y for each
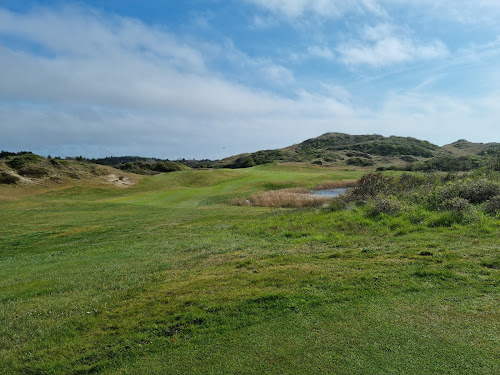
(166, 278)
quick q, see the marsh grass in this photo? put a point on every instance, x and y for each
(284, 198)
(339, 184)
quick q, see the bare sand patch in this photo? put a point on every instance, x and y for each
(119, 180)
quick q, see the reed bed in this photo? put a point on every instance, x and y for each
(285, 198)
(339, 184)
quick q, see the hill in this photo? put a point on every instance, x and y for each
(27, 167)
(330, 149)
(340, 148)
(462, 147)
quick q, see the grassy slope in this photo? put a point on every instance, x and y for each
(162, 278)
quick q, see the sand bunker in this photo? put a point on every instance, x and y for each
(119, 180)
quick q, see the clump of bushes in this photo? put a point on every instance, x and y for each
(7, 178)
(454, 198)
(456, 204)
(475, 191)
(385, 205)
(360, 162)
(34, 171)
(492, 206)
(370, 186)
(150, 168)
(432, 199)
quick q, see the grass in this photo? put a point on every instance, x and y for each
(283, 198)
(166, 277)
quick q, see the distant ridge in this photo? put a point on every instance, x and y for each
(362, 150)
(330, 149)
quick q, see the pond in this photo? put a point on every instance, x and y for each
(331, 193)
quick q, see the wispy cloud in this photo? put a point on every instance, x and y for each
(321, 52)
(293, 9)
(91, 83)
(385, 44)
(462, 11)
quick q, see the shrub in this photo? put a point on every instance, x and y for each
(492, 206)
(7, 178)
(385, 205)
(371, 185)
(360, 162)
(22, 160)
(33, 171)
(409, 158)
(475, 191)
(456, 204)
(5, 154)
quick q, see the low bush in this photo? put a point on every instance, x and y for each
(492, 206)
(475, 191)
(33, 171)
(385, 205)
(7, 178)
(457, 205)
(371, 185)
(360, 162)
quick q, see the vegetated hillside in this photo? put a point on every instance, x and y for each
(28, 167)
(141, 165)
(462, 147)
(340, 148)
(377, 151)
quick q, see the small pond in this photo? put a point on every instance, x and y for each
(331, 193)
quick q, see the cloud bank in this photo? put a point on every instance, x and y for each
(78, 81)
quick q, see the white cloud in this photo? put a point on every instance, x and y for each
(462, 11)
(120, 63)
(116, 86)
(385, 44)
(321, 8)
(321, 52)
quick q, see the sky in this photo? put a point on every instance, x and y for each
(213, 78)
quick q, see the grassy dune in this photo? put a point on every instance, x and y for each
(166, 278)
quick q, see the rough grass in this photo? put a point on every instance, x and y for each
(325, 185)
(163, 278)
(284, 198)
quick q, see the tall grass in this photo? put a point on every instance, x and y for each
(339, 184)
(285, 198)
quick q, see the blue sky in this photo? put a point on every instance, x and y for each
(213, 78)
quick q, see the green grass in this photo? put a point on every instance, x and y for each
(165, 278)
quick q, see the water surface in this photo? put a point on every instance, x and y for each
(331, 193)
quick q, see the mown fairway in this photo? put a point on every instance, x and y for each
(167, 278)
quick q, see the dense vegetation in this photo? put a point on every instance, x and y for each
(140, 165)
(357, 148)
(455, 198)
(371, 144)
(145, 167)
(331, 149)
(120, 161)
(401, 276)
(15, 166)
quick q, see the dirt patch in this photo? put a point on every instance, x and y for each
(119, 180)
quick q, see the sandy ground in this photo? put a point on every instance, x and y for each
(119, 180)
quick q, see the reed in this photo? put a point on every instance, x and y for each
(286, 198)
(336, 184)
